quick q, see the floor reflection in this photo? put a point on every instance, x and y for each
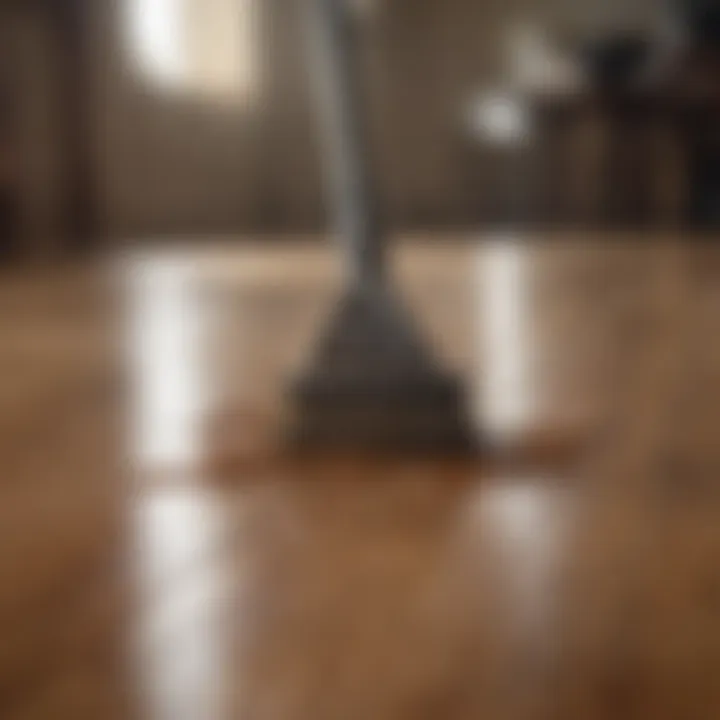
(183, 572)
(185, 583)
(166, 348)
(500, 281)
(525, 524)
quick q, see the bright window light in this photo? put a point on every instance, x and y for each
(203, 47)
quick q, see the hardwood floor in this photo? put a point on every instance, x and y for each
(162, 558)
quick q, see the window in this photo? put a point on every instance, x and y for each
(203, 47)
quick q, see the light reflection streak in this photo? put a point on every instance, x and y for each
(185, 585)
(169, 378)
(525, 523)
(506, 392)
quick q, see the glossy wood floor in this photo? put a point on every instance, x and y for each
(161, 558)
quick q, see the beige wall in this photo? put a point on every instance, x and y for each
(176, 162)
(168, 163)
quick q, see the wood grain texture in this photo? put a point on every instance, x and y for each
(139, 581)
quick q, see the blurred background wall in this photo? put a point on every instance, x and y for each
(97, 130)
